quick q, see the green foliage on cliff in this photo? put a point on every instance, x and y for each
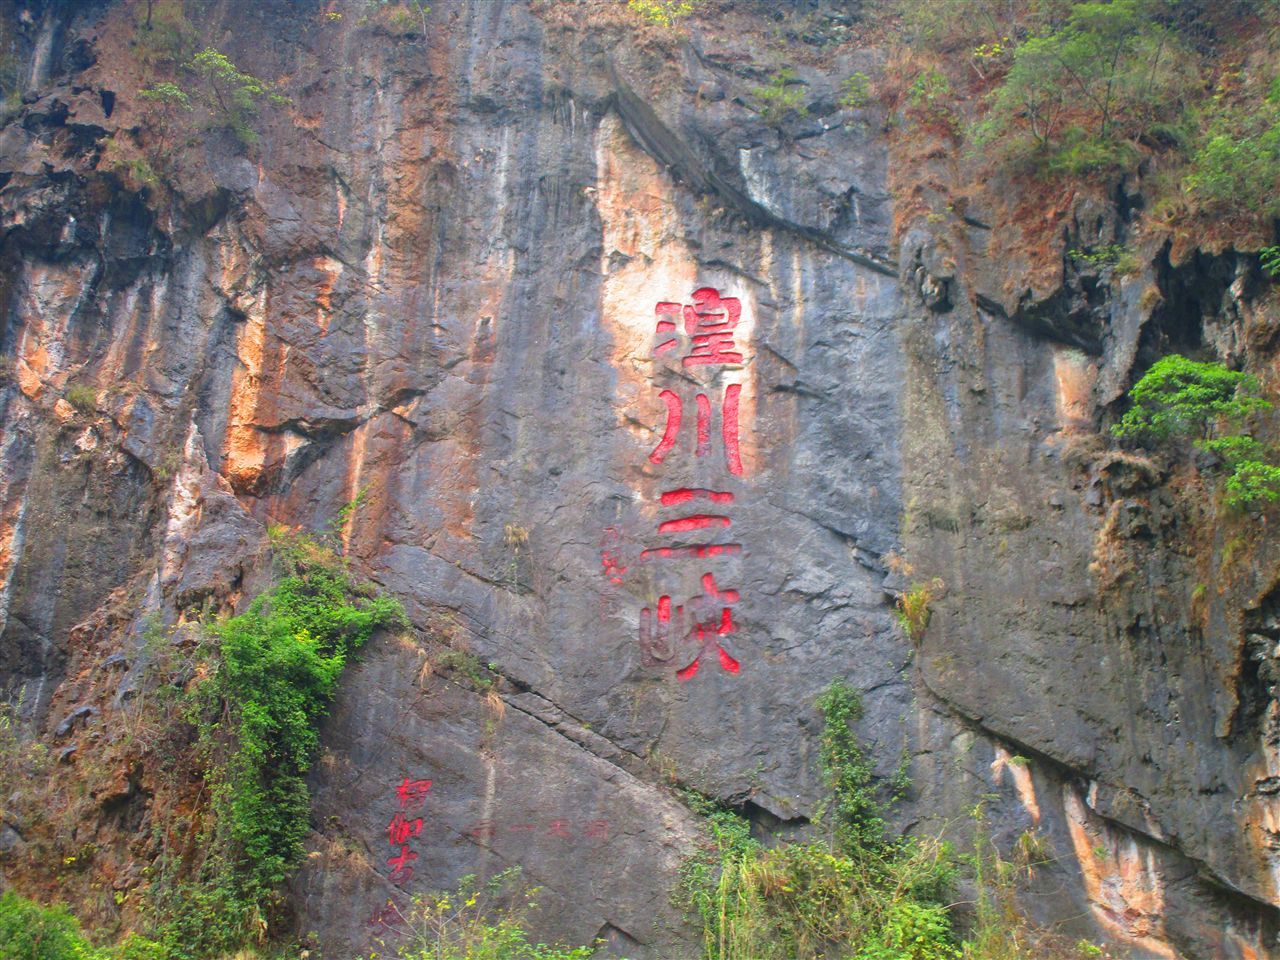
(1188, 398)
(1179, 398)
(29, 931)
(209, 89)
(781, 98)
(477, 921)
(661, 13)
(861, 893)
(1184, 93)
(269, 677)
(1081, 90)
(231, 95)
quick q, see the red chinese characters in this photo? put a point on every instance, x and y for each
(696, 522)
(709, 323)
(411, 795)
(728, 427)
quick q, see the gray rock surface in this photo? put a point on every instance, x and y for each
(435, 281)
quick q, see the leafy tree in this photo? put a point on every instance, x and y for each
(29, 931)
(1080, 91)
(231, 95)
(1182, 398)
(1235, 162)
(1179, 397)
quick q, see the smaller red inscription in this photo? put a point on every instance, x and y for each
(596, 829)
(559, 828)
(482, 830)
(401, 872)
(390, 917)
(400, 830)
(412, 794)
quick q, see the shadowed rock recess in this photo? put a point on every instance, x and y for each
(446, 276)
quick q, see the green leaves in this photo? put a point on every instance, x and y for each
(1079, 92)
(169, 94)
(780, 98)
(275, 670)
(29, 931)
(1182, 398)
(1236, 161)
(1179, 397)
(858, 823)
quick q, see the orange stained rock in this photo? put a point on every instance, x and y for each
(1022, 782)
(1121, 880)
(1075, 374)
(330, 270)
(640, 221)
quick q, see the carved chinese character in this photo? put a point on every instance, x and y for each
(596, 829)
(559, 828)
(709, 322)
(728, 427)
(713, 620)
(482, 830)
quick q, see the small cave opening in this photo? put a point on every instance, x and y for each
(108, 99)
(767, 826)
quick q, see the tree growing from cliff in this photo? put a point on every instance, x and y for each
(235, 98)
(1081, 92)
(1180, 398)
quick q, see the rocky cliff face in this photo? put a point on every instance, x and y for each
(655, 408)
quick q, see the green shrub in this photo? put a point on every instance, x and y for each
(857, 823)
(929, 100)
(1082, 89)
(913, 610)
(1235, 163)
(781, 98)
(1251, 482)
(269, 676)
(661, 13)
(1179, 397)
(855, 92)
(1269, 260)
(29, 931)
(83, 398)
(475, 922)
(862, 894)
(1113, 255)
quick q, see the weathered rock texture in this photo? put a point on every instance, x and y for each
(435, 280)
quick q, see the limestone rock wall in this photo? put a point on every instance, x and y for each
(440, 280)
